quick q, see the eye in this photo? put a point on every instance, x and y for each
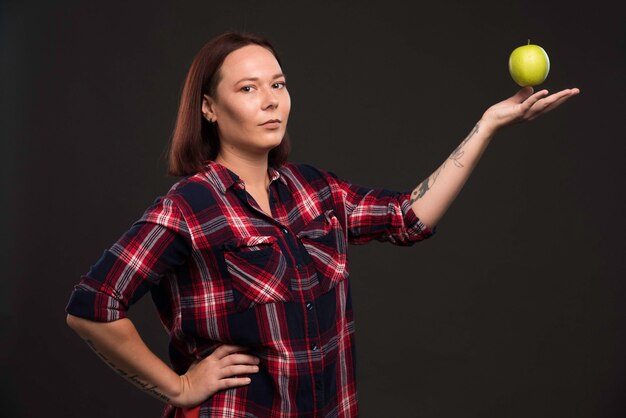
(280, 85)
(247, 89)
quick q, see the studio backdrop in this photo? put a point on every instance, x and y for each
(513, 309)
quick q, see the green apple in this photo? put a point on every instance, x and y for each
(529, 65)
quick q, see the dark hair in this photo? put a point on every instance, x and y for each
(195, 140)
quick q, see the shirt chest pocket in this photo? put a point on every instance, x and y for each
(257, 269)
(325, 241)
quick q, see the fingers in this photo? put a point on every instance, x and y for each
(236, 364)
(552, 102)
(230, 361)
(555, 103)
(531, 100)
(224, 368)
(233, 362)
(227, 349)
(240, 359)
(232, 382)
(238, 369)
(524, 93)
(548, 100)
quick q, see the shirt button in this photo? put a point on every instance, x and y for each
(285, 231)
(298, 266)
(309, 306)
(314, 348)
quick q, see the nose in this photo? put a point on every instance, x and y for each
(270, 100)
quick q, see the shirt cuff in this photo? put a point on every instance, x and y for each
(89, 303)
(416, 230)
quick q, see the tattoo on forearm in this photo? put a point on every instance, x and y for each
(426, 185)
(151, 389)
(147, 387)
(458, 152)
(456, 155)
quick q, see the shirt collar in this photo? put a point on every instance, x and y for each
(222, 178)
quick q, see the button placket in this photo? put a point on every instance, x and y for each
(318, 383)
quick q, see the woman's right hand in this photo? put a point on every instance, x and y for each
(221, 370)
(525, 105)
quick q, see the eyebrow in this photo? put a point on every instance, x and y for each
(257, 78)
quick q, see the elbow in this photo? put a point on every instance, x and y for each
(72, 322)
(88, 329)
(78, 324)
(428, 219)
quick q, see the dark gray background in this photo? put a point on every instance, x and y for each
(515, 307)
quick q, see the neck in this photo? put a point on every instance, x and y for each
(253, 171)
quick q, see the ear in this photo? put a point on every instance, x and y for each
(208, 108)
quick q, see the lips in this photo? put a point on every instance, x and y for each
(270, 121)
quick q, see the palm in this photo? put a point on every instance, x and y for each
(525, 105)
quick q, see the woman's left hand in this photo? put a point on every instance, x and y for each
(524, 106)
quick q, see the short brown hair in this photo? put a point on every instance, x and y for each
(195, 140)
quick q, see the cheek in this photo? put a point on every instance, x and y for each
(287, 104)
(241, 113)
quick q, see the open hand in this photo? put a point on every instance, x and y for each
(219, 371)
(524, 106)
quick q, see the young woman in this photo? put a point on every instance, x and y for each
(245, 257)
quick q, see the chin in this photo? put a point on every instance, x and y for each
(275, 139)
(264, 146)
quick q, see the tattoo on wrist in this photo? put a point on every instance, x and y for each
(425, 185)
(146, 387)
(458, 152)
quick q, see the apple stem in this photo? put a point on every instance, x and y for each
(529, 42)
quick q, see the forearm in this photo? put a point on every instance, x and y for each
(119, 345)
(432, 197)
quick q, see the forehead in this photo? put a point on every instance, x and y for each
(249, 61)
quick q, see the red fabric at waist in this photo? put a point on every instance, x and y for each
(188, 412)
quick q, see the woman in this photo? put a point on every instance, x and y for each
(245, 257)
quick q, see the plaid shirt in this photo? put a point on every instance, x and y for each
(221, 271)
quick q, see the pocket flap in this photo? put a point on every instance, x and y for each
(250, 243)
(326, 243)
(257, 269)
(319, 226)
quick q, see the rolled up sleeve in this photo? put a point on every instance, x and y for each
(159, 241)
(379, 214)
